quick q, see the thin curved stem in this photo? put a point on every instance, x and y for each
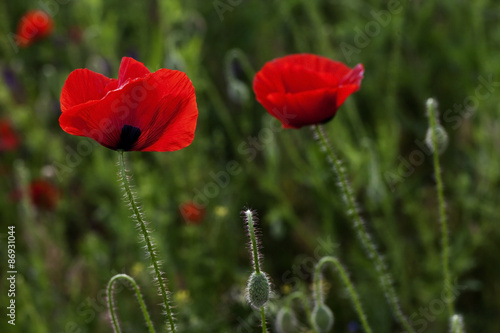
(263, 319)
(442, 210)
(305, 304)
(350, 288)
(149, 243)
(111, 307)
(363, 235)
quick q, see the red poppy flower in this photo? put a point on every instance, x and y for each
(192, 213)
(8, 137)
(140, 111)
(44, 195)
(305, 89)
(35, 24)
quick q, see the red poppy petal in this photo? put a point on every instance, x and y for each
(305, 108)
(82, 86)
(131, 69)
(350, 84)
(162, 105)
(298, 73)
(328, 69)
(354, 76)
(93, 120)
(176, 131)
(172, 121)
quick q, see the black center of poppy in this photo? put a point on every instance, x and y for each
(129, 136)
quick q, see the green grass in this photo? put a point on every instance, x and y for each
(428, 49)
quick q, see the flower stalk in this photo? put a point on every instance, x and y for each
(318, 293)
(258, 286)
(148, 240)
(436, 146)
(111, 305)
(361, 231)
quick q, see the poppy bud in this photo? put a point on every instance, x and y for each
(440, 133)
(322, 318)
(237, 91)
(286, 322)
(441, 139)
(258, 290)
(457, 324)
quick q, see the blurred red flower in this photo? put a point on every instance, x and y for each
(44, 195)
(8, 137)
(305, 89)
(34, 25)
(140, 111)
(192, 213)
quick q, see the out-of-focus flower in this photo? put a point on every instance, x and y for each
(192, 213)
(182, 296)
(305, 89)
(221, 211)
(34, 25)
(9, 140)
(44, 195)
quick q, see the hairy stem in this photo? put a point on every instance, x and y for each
(350, 288)
(442, 210)
(363, 235)
(149, 243)
(263, 319)
(253, 240)
(111, 307)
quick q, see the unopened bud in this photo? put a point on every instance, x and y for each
(258, 290)
(286, 322)
(441, 139)
(322, 318)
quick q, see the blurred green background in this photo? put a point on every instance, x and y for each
(411, 50)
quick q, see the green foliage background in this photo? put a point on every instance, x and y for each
(419, 50)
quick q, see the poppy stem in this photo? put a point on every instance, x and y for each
(258, 287)
(363, 235)
(263, 319)
(433, 124)
(111, 303)
(318, 293)
(148, 240)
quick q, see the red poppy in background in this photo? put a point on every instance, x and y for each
(8, 137)
(192, 213)
(305, 89)
(44, 195)
(139, 111)
(34, 25)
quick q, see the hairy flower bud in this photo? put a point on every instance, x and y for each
(441, 139)
(322, 318)
(258, 290)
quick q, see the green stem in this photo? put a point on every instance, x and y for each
(251, 231)
(350, 288)
(111, 308)
(442, 211)
(147, 239)
(305, 303)
(363, 235)
(263, 320)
